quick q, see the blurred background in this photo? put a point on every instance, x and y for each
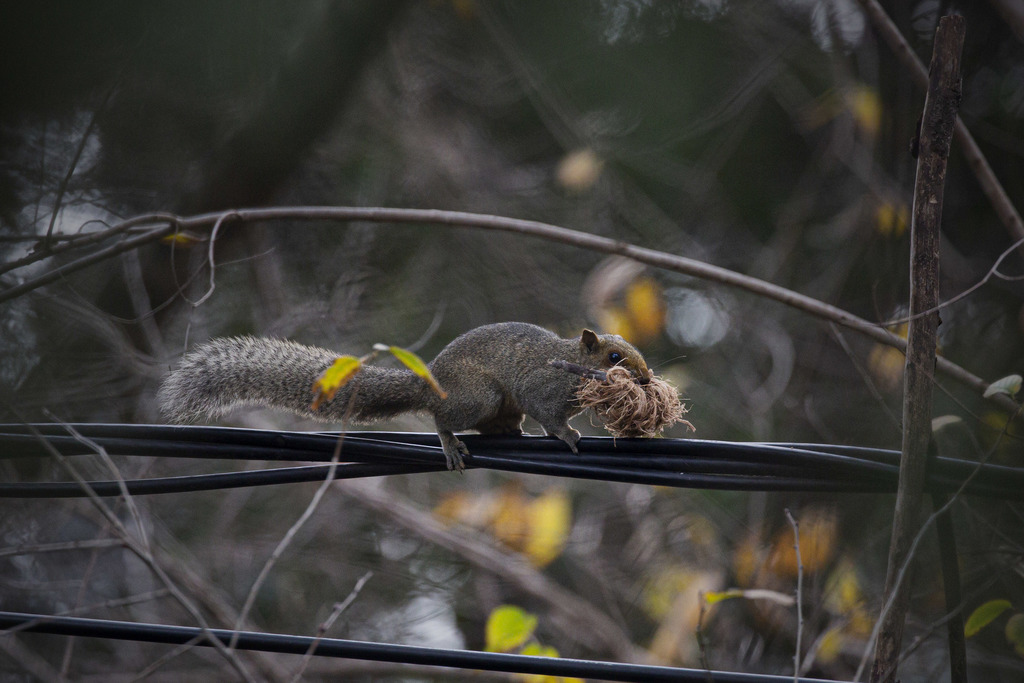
(771, 138)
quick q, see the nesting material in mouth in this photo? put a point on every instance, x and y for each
(630, 409)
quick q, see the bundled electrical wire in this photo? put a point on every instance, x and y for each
(689, 463)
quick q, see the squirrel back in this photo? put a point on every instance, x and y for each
(494, 375)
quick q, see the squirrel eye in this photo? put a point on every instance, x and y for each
(614, 357)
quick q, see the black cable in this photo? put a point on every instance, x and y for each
(378, 652)
(670, 462)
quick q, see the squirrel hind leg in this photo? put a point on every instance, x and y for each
(509, 423)
(453, 449)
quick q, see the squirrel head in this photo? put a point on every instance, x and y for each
(608, 350)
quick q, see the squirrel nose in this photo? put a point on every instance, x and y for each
(644, 378)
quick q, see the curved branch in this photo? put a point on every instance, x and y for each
(552, 233)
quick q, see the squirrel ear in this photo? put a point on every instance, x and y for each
(589, 340)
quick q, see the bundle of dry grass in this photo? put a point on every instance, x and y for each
(628, 408)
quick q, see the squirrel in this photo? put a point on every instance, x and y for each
(493, 375)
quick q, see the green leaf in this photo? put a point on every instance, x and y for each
(1015, 633)
(984, 615)
(508, 627)
(416, 364)
(1007, 385)
(333, 378)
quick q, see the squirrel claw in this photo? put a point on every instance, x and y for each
(455, 464)
(454, 449)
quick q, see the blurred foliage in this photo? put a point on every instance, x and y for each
(767, 137)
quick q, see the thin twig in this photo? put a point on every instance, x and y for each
(210, 260)
(799, 595)
(992, 272)
(901, 575)
(139, 551)
(62, 547)
(66, 180)
(167, 657)
(152, 235)
(314, 503)
(129, 500)
(339, 608)
(66, 243)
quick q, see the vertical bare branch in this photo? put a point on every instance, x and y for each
(951, 585)
(937, 125)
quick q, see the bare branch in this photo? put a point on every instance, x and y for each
(545, 231)
(937, 123)
(141, 552)
(336, 612)
(283, 544)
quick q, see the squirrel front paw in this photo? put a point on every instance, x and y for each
(454, 449)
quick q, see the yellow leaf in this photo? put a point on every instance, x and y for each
(843, 593)
(453, 507)
(818, 527)
(831, 645)
(886, 362)
(679, 589)
(984, 614)
(182, 239)
(861, 623)
(416, 364)
(891, 219)
(333, 378)
(615, 320)
(712, 597)
(549, 522)
(661, 590)
(538, 650)
(508, 521)
(866, 108)
(508, 627)
(646, 308)
(579, 170)
(747, 561)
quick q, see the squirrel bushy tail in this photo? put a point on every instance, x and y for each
(224, 373)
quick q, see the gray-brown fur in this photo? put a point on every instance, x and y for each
(494, 375)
